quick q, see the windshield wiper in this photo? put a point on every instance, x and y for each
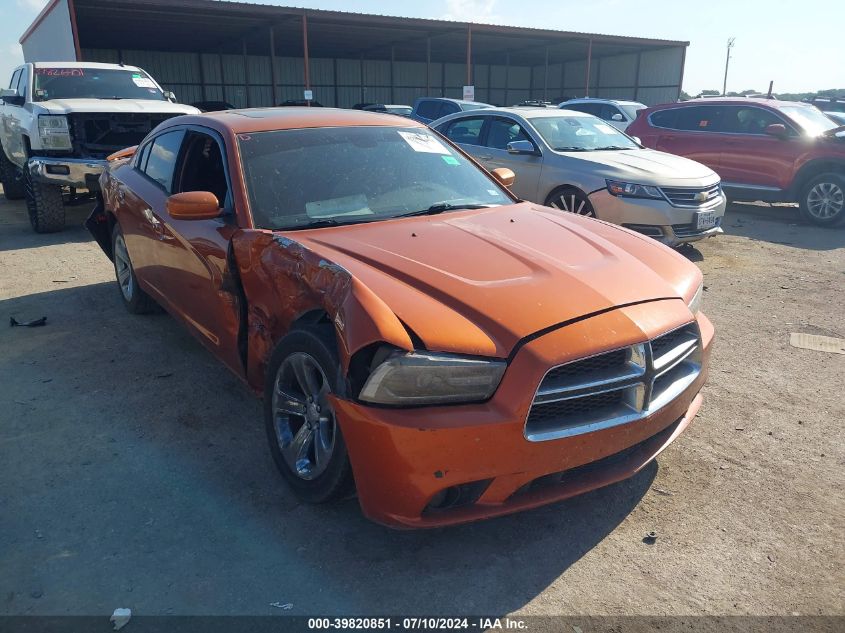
(324, 222)
(440, 207)
(571, 149)
(614, 147)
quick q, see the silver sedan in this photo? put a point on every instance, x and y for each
(578, 163)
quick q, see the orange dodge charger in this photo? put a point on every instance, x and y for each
(416, 331)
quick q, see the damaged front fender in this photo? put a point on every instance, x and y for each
(284, 280)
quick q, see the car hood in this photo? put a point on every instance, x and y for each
(644, 166)
(479, 281)
(108, 106)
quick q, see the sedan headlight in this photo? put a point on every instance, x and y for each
(633, 190)
(422, 378)
(54, 132)
(695, 303)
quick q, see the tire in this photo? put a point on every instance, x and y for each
(134, 298)
(304, 436)
(45, 205)
(822, 200)
(571, 200)
(11, 178)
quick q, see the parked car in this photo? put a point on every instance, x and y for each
(213, 106)
(836, 117)
(777, 151)
(401, 110)
(427, 109)
(299, 103)
(619, 114)
(577, 163)
(59, 121)
(314, 253)
(828, 104)
(533, 103)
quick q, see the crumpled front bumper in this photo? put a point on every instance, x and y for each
(405, 458)
(82, 173)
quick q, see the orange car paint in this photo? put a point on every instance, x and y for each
(518, 282)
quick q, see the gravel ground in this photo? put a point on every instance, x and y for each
(134, 471)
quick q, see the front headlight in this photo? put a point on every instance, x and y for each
(633, 190)
(695, 303)
(422, 378)
(54, 132)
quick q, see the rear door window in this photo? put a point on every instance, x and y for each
(588, 108)
(162, 159)
(689, 118)
(747, 119)
(466, 131)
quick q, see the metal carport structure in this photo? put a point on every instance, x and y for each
(259, 55)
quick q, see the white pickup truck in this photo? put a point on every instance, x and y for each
(60, 120)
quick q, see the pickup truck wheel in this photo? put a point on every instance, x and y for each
(11, 178)
(134, 298)
(823, 199)
(571, 200)
(302, 428)
(45, 206)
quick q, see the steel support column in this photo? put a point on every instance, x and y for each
(392, 76)
(507, 76)
(589, 56)
(637, 75)
(546, 77)
(275, 99)
(469, 55)
(306, 67)
(427, 66)
(246, 72)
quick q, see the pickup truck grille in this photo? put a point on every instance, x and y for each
(616, 387)
(97, 135)
(691, 196)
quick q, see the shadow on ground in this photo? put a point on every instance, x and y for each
(164, 498)
(780, 224)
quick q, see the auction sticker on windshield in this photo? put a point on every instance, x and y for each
(423, 142)
(143, 82)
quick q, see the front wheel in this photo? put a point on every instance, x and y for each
(822, 200)
(571, 200)
(302, 428)
(44, 204)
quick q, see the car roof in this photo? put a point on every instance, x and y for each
(292, 118)
(462, 101)
(773, 103)
(526, 112)
(83, 65)
(593, 100)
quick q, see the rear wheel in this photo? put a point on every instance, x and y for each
(11, 178)
(136, 300)
(823, 199)
(305, 438)
(571, 200)
(44, 204)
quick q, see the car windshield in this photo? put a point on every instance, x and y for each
(345, 175)
(403, 110)
(580, 134)
(631, 109)
(812, 120)
(474, 106)
(93, 83)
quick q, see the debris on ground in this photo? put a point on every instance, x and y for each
(166, 374)
(286, 606)
(817, 342)
(120, 618)
(650, 538)
(13, 322)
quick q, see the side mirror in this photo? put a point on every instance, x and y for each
(617, 117)
(521, 147)
(776, 129)
(170, 96)
(193, 205)
(504, 176)
(11, 97)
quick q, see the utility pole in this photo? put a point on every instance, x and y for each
(727, 61)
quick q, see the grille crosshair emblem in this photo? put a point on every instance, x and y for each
(701, 196)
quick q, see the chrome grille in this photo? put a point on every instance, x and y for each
(691, 196)
(616, 387)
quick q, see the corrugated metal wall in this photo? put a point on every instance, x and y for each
(345, 82)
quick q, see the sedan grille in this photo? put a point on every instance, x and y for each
(693, 197)
(616, 387)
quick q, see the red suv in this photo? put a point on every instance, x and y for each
(777, 151)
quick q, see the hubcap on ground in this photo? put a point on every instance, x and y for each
(303, 417)
(826, 200)
(572, 203)
(122, 268)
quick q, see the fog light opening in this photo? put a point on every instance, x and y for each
(457, 496)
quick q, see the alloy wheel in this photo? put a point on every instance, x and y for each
(123, 268)
(303, 417)
(572, 203)
(825, 201)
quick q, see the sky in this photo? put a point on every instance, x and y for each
(799, 46)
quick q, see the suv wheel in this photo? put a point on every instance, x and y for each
(45, 205)
(823, 199)
(11, 178)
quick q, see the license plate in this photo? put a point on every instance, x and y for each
(705, 220)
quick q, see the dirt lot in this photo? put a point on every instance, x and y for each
(134, 471)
